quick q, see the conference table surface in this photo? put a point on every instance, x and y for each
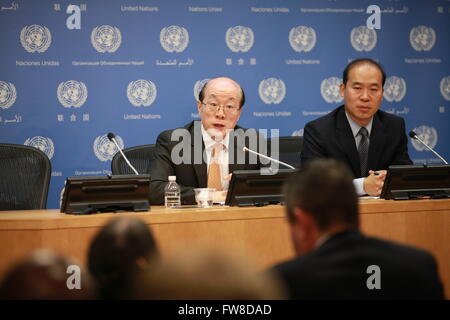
(259, 233)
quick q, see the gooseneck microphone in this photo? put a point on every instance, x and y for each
(268, 158)
(112, 138)
(413, 135)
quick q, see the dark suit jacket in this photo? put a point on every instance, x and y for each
(338, 270)
(193, 173)
(331, 137)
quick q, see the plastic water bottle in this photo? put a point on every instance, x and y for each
(172, 194)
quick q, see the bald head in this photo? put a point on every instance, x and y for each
(222, 84)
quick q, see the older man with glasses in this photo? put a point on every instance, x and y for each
(205, 153)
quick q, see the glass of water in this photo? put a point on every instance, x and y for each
(204, 197)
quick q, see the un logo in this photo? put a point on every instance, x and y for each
(394, 89)
(35, 38)
(72, 93)
(272, 90)
(239, 38)
(422, 38)
(297, 133)
(174, 38)
(329, 88)
(105, 149)
(199, 86)
(46, 145)
(141, 93)
(302, 38)
(427, 135)
(445, 88)
(7, 95)
(106, 38)
(363, 38)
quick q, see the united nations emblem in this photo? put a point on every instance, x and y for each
(72, 93)
(106, 38)
(35, 38)
(141, 93)
(422, 38)
(445, 88)
(239, 38)
(302, 38)
(297, 133)
(363, 38)
(394, 89)
(329, 88)
(198, 87)
(105, 149)
(272, 90)
(427, 135)
(46, 145)
(7, 94)
(174, 38)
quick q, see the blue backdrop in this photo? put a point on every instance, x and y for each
(71, 74)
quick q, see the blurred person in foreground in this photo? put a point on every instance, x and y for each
(334, 259)
(124, 247)
(46, 275)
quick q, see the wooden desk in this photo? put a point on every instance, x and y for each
(261, 233)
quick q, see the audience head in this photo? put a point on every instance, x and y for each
(122, 248)
(44, 275)
(320, 199)
(205, 274)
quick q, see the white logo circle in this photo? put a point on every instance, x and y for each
(72, 93)
(105, 149)
(394, 89)
(35, 38)
(363, 38)
(427, 135)
(330, 90)
(302, 38)
(422, 38)
(7, 94)
(174, 38)
(141, 93)
(272, 90)
(106, 38)
(297, 133)
(445, 88)
(44, 144)
(239, 38)
(199, 86)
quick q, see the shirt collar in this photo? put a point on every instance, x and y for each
(210, 142)
(355, 127)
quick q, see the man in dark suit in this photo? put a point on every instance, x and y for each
(335, 260)
(188, 152)
(365, 138)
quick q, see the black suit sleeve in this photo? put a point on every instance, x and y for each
(401, 156)
(161, 168)
(312, 145)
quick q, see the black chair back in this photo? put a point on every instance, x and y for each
(290, 148)
(24, 177)
(140, 157)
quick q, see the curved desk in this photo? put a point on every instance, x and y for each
(261, 233)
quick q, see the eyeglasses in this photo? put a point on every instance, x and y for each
(214, 107)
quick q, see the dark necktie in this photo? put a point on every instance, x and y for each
(363, 150)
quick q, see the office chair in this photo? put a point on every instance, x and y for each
(24, 177)
(290, 148)
(140, 157)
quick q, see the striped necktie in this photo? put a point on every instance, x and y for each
(214, 175)
(363, 150)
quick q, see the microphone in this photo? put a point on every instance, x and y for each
(112, 138)
(413, 135)
(245, 149)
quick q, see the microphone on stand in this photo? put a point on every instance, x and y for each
(245, 149)
(112, 138)
(413, 135)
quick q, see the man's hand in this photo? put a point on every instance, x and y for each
(373, 184)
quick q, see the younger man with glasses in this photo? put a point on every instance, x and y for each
(205, 153)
